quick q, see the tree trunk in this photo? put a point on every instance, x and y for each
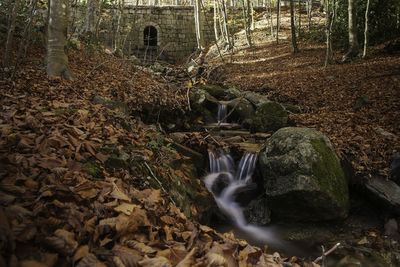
(225, 25)
(10, 34)
(197, 21)
(293, 28)
(91, 18)
(216, 19)
(247, 21)
(366, 29)
(353, 39)
(309, 13)
(57, 60)
(278, 19)
(329, 22)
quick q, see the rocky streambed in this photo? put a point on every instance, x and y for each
(302, 192)
(302, 189)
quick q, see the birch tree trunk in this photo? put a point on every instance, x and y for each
(10, 34)
(366, 30)
(295, 49)
(57, 60)
(309, 13)
(353, 39)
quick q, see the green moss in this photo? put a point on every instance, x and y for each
(329, 172)
(269, 116)
(93, 169)
(214, 90)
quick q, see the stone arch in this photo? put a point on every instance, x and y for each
(149, 25)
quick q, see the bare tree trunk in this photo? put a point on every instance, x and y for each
(330, 18)
(247, 21)
(225, 25)
(197, 21)
(91, 18)
(353, 39)
(216, 19)
(293, 28)
(278, 19)
(10, 34)
(299, 30)
(57, 60)
(366, 30)
(309, 13)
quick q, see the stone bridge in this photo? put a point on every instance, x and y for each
(164, 32)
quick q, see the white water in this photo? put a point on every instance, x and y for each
(222, 166)
(222, 111)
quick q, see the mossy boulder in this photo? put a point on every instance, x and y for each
(214, 90)
(269, 116)
(302, 176)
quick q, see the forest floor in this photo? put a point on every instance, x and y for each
(356, 104)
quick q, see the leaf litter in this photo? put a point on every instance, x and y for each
(61, 205)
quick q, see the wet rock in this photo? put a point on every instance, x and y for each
(242, 110)
(386, 192)
(220, 183)
(269, 116)
(302, 176)
(257, 212)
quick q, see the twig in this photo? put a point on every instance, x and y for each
(158, 181)
(327, 253)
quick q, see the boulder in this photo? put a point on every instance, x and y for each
(269, 116)
(255, 98)
(214, 90)
(302, 176)
(386, 192)
(242, 112)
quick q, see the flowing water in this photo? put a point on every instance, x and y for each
(222, 113)
(224, 181)
(223, 173)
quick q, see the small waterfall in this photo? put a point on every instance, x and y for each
(222, 111)
(224, 181)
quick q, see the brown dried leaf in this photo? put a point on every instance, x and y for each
(155, 262)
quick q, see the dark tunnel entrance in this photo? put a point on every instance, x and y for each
(150, 36)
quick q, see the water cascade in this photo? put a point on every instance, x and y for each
(225, 180)
(222, 112)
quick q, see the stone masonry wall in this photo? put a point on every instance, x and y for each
(176, 36)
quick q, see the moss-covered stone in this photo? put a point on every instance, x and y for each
(269, 116)
(214, 90)
(329, 172)
(303, 178)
